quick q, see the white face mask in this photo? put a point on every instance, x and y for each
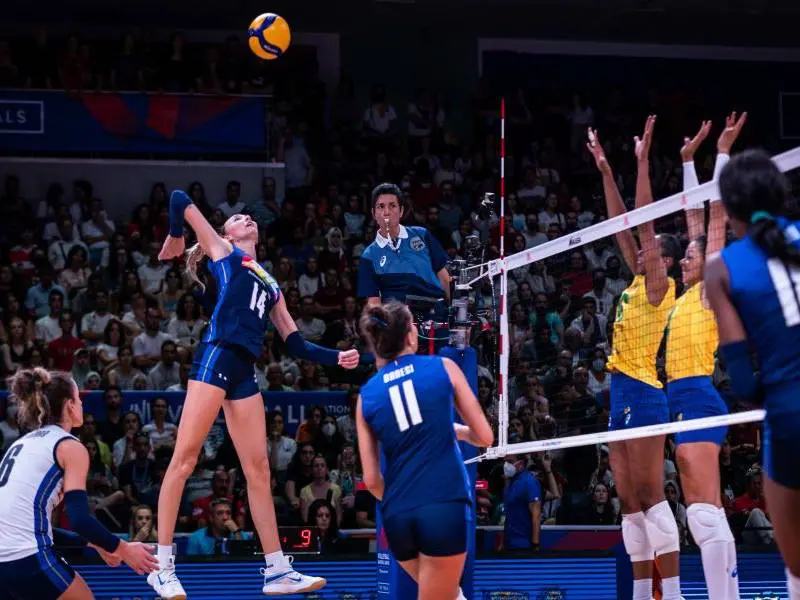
(598, 364)
(509, 470)
(329, 429)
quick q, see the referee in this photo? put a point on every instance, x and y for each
(402, 261)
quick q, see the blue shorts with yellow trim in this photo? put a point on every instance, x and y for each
(41, 576)
(695, 398)
(227, 367)
(635, 403)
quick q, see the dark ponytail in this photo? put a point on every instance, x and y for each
(41, 396)
(754, 191)
(770, 237)
(386, 327)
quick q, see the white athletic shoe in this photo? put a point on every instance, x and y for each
(166, 584)
(283, 581)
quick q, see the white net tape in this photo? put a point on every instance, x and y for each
(690, 198)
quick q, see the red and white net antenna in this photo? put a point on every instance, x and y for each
(502, 338)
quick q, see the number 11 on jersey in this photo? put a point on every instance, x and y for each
(258, 300)
(399, 406)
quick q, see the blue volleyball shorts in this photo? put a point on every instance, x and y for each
(695, 398)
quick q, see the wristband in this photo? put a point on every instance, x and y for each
(300, 348)
(178, 201)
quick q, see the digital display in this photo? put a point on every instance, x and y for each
(299, 539)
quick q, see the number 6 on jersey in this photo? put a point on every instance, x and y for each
(258, 300)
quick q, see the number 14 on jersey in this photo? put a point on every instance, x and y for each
(258, 300)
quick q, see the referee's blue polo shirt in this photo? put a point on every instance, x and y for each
(395, 272)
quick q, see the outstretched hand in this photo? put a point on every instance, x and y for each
(112, 560)
(733, 127)
(348, 359)
(595, 148)
(173, 247)
(642, 145)
(690, 146)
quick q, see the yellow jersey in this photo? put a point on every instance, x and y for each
(638, 329)
(691, 337)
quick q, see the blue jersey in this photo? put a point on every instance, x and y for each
(409, 406)
(246, 294)
(766, 294)
(410, 268)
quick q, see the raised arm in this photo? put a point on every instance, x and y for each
(654, 269)
(181, 208)
(614, 204)
(695, 214)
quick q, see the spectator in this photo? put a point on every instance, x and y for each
(320, 488)
(187, 325)
(93, 324)
(308, 429)
(123, 448)
(81, 368)
(300, 474)
(114, 337)
(602, 509)
(148, 344)
(309, 326)
(232, 204)
(152, 273)
(59, 250)
(142, 527)
(138, 478)
(123, 375)
(61, 350)
(604, 299)
(17, 350)
(161, 432)
(166, 372)
(281, 448)
(220, 489)
(322, 516)
(170, 293)
(208, 540)
(750, 510)
(75, 276)
(112, 428)
(48, 327)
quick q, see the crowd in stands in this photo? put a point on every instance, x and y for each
(87, 294)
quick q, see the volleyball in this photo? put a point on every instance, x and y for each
(269, 36)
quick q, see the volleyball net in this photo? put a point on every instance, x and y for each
(564, 305)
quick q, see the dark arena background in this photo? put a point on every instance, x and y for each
(106, 106)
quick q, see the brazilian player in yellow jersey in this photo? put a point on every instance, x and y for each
(637, 398)
(692, 342)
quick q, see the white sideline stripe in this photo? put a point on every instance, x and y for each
(660, 208)
(621, 435)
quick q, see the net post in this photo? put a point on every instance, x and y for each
(502, 407)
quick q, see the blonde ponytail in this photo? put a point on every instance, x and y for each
(194, 256)
(41, 396)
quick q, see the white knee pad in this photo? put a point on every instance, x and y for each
(634, 536)
(662, 530)
(708, 524)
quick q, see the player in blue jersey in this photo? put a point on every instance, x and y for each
(753, 287)
(402, 260)
(40, 468)
(223, 375)
(407, 407)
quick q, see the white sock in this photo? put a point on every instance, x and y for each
(164, 554)
(276, 561)
(671, 588)
(642, 589)
(793, 585)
